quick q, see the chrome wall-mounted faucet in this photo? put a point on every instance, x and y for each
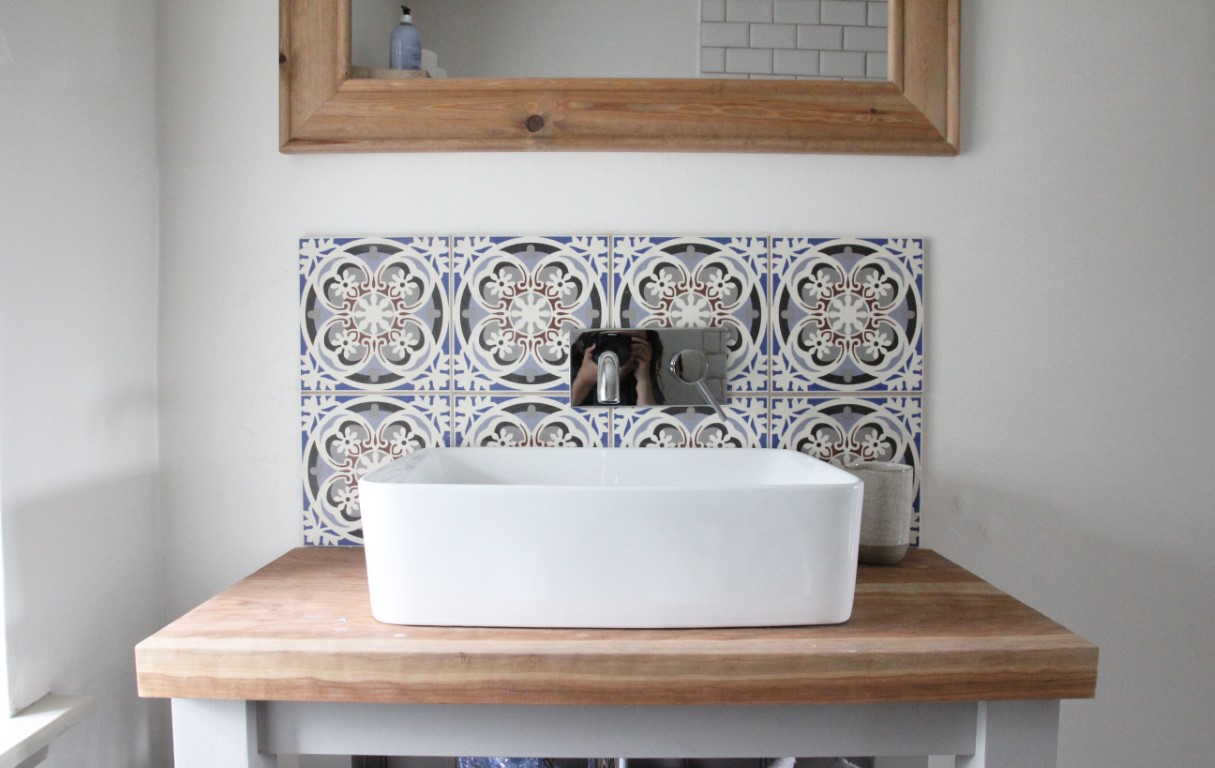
(607, 384)
(649, 366)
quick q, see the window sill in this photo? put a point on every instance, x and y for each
(25, 736)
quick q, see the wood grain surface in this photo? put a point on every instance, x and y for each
(301, 629)
(328, 106)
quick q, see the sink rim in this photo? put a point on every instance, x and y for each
(405, 470)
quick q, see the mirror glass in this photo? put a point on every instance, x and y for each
(734, 39)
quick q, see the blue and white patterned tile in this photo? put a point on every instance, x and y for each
(694, 427)
(516, 301)
(347, 436)
(847, 315)
(843, 429)
(528, 421)
(374, 314)
(694, 281)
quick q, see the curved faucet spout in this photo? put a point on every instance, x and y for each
(607, 390)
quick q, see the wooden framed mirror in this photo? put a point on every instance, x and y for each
(323, 108)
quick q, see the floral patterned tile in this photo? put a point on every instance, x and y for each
(847, 315)
(842, 429)
(693, 427)
(528, 421)
(374, 314)
(516, 300)
(414, 342)
(347, 436)
(693, 281)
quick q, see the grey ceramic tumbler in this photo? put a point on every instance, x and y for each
(885, 510)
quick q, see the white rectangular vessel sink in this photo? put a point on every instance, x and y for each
(617, 537)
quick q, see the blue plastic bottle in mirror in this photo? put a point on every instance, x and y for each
(405, 44)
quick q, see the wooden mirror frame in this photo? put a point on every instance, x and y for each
(322, 108)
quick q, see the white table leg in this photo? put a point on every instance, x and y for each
(1015, 734)
(217, 734)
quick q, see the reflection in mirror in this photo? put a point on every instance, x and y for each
(732, 39)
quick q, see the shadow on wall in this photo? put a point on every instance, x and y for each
(82, 587)
(1150, 610)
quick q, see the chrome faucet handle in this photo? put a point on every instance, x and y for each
(691, 366)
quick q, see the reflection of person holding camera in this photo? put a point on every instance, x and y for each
(639, 353)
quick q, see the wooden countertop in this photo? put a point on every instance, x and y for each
(301, 629)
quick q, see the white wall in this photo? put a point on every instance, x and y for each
(78, 228)
(1068, 421)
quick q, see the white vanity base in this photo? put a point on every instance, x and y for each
(242, 734)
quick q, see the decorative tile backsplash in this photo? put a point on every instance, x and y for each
(409, 342)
